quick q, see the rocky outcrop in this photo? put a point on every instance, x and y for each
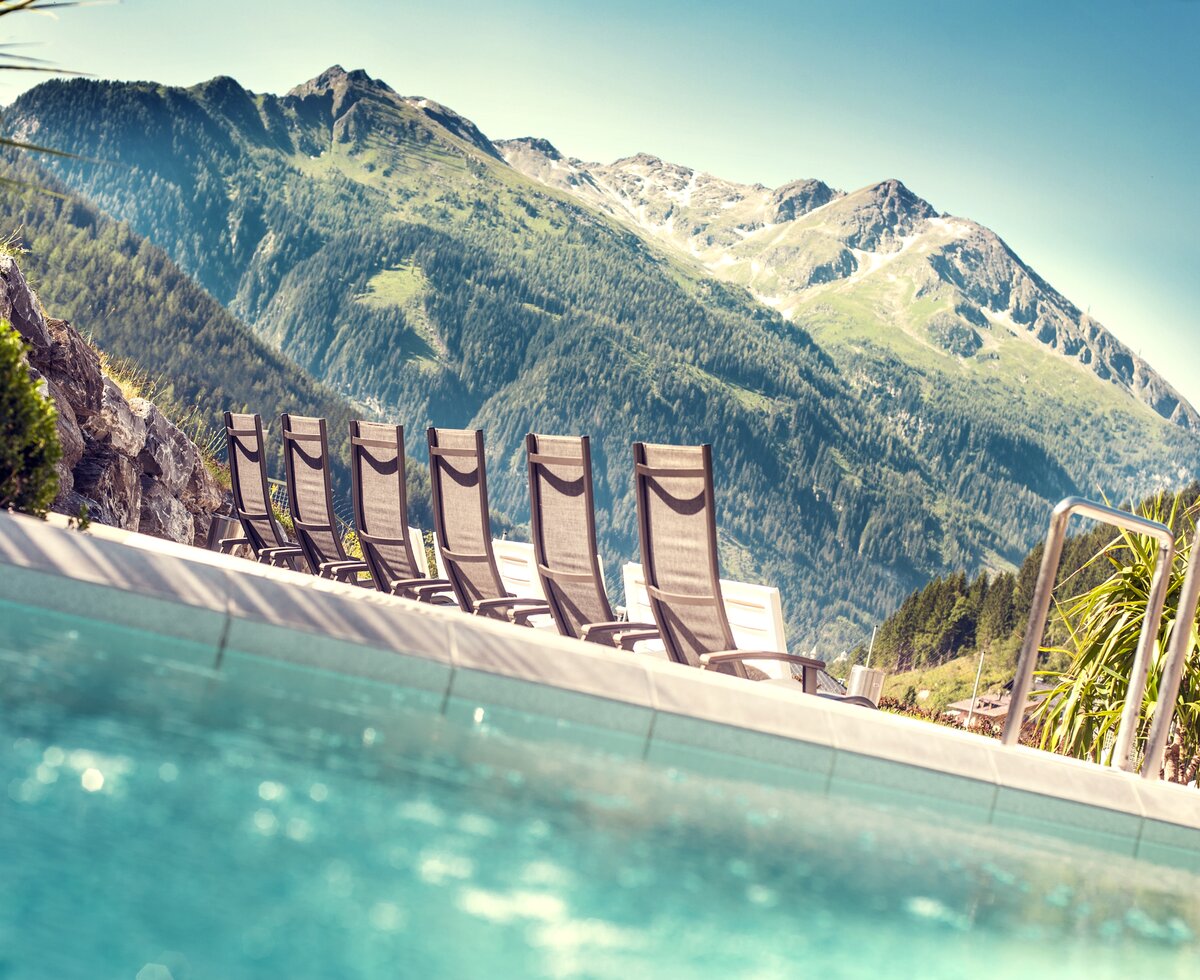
(796, 199)
(122, 459)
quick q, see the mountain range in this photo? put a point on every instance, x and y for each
(891, 393)
(815, 253)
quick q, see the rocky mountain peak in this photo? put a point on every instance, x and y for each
(641, 160)
(874, 218)
(335, 79)
(531, 144)
(789, 201)
(339, 94)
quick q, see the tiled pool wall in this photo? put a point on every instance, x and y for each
(528, 681)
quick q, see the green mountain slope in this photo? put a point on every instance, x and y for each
(385, 245)
(136, 304)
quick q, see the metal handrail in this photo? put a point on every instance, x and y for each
(1177, 653)
(1040, 613)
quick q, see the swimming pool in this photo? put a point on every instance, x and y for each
(165, 816)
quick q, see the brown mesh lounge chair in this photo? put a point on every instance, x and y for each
(678, 531)
(458, 484)
(380, 495)
(562, 522)
(251, 498)
(310, 499)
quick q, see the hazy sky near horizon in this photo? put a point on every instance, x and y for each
(1071, 128)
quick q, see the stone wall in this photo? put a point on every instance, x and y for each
(121, 458)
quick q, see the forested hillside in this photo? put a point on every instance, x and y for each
(133, 301)
(955, 615)
(383, 244)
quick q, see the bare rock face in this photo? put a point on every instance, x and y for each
(74, 366)
(797, 198)
(167, 454)
(19, 306)
(113, 481)
(163, 515)
(202, 494)
(122, 460)
(75, 504)
(200, 524)
(116, 423)
(70, 437)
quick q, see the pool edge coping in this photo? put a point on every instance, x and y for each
(234, 598)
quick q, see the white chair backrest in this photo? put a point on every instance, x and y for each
(755, 614)
(417, 541)
(518, 570)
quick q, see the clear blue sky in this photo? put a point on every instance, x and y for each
(1070, 127)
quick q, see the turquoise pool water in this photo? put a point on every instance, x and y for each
(159, 818)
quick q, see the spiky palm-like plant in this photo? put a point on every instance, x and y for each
(1079, 715)
(13, 61)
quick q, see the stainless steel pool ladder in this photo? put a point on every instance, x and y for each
(1123, 754)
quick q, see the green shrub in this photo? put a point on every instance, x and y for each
(28, 439)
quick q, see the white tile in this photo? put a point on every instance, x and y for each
(906, 787)
(493, 705)
(536, 656)
(719, 764)
(343, 612)
(773, 709)
(329, 653)
(1170, 803)
(28, 543)
(915, 743)
(557, 704)
(87, 600)
(738, 745)
(1063, 818)
(1050, 775)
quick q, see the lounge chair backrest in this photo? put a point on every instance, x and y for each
(678, 531)
(310, 497)
(380, 496)
(458, 487)
(562, 524)
(248, 481)
(755, 614)
(514, 562)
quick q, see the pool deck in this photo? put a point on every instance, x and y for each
(635, 705)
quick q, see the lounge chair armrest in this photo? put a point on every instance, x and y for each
(342, 570)
(631, 638)
(497, 608)
(855, 699)
(729, 656)
(810, 666)
(405, 584)
(432, 591)
(523, 616)
(606, 633)
(226, 545)
(281, 551)
(283, 557)
(512, 600)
